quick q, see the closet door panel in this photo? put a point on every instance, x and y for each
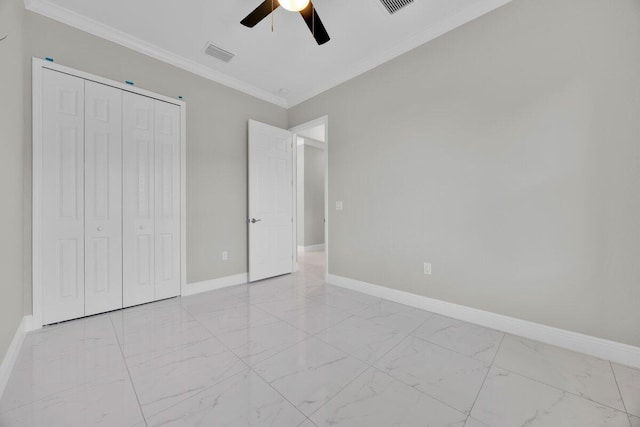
(138, 199)
(167, 199)
(103, 198)
(62, 197)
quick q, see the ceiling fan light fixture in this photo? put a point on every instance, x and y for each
(294, 5)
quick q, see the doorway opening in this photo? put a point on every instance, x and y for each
(311, 225)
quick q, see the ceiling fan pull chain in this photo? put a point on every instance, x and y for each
(272, 15)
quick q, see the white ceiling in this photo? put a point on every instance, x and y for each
(363, 35)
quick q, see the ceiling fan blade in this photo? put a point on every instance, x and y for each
(260, 12)
(315, 25)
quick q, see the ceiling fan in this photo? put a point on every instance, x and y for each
(306, 9)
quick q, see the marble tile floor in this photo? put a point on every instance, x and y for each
(294, 351)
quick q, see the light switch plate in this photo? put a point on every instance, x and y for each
(338, 206)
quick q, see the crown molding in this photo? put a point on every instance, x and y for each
(462, 17)
(81, 22)
(91, 26)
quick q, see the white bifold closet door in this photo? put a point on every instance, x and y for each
(167, 199)
(110, 198)
(151, 199)
(63, 196)
(103, 198)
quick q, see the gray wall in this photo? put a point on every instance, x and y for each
(314, 168)
(11, 148)
(507, 154)
(216, 139)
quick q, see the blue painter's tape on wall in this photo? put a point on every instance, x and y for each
(129, 82)
(48, 58)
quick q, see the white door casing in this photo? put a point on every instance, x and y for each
(62, 208)
(167, 199)
(138, 199)
(103, 198)
(270, 201)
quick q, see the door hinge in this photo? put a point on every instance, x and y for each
(291, 219)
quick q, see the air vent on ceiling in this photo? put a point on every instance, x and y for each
(218, 53)
(395, 5)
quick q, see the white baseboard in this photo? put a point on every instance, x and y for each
(12, 353)
(610, 350)
(213, 284)
(312, 248)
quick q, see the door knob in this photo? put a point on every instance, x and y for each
(142, 227)
(99, 228)
(253, 220)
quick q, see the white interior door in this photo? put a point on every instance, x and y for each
(138, 199)
(62, 197)
(103, 198)
(270, 201)
(167, 199)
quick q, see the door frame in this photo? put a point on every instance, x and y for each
(324, 120)
(37, 67)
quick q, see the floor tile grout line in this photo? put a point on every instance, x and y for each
(431, 314)
(372, 366)
(615, 378)
(126, 364)
(165, 353)
(308, 335)
(511, 371)
(366, 364)
(456, 351)
(559, 388)
(276, 390)
(413, 387)
(340, 391)
(312, 298)
(197, 315)
(317, 332)
(356, 357)
(70, 388)
(218, 382)
(255, 372)
(182, 308)
(311, 421)
(485, 377)
(409, 334)
(268, 323)
(338, 348)
(493, 364)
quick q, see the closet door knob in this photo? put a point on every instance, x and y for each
(142, 227)
(99, 228)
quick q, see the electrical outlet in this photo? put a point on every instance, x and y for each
(225, 256)
(427, 268)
